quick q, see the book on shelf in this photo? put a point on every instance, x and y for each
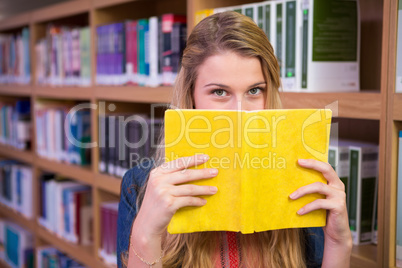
(47, 256)
(398, 71)
(356, 164)
(316, 51)
(62, 132)
(16, 187)
(126, 139)
(108, 248)
(144, 52)
(399, 202)
(63, 56)
(66, 208)
(15, 123)
(18, 245)
(15, 58)
(256, 153)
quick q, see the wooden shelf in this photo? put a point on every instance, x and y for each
(134, 94)
(16, 90)
(82, 254)
(108, 183)
(15, 22)
(61, 10)
(17, 218)
(364, 256)
(397, 115)
(359, 105)
(80, 93)
(13, 153)
(107, 3)
(82, 174)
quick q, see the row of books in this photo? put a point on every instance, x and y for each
(63, 132)
(145, 52)
(16, 187)
(64, 56)
(125, 140)
(356, 164)
(15, 123)
(317, 51)
(47, 256)
(399, 204)
(15, 64)
(108, 247)
(18, 245)
(66, 208)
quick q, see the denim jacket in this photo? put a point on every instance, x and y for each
(136, 177)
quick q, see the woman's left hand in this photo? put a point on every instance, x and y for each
(337, 232)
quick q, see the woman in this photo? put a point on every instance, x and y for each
(228, 64)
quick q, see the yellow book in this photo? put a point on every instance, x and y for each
(256, 153)
(202, 14)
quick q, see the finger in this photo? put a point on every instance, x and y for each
(193, 190)
(327, 171)
(316, 187)
(182, 163)
(187, 175)
(188, 201)
(327, 204)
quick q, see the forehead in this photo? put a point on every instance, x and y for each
(231, 68)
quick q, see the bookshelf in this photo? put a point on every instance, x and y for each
(376, 111)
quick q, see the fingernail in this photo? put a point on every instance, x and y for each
(213, 189)
(302, 161)
(203, 157)
(213, 171)
(204, 201)
(293, 195)
(301, 211)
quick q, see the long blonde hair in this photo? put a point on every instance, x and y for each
(228, 31)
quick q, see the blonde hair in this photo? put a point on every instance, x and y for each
(222, 32)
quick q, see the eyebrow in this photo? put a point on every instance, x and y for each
(225, 86)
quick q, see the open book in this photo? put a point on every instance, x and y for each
(256, 154)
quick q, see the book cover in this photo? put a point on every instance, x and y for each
(256, 153)
(363, 179)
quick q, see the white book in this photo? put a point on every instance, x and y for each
(330, 62)
(251, 11)
(153, 78)
(363, 180)
(27, 199)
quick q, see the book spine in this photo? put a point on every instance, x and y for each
(289, 78)
(279, 36)
(153, 52)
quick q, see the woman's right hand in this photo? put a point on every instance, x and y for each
(166, 193)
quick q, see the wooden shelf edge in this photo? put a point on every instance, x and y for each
(17, 218)
(359, 105)
(17, 21)
(61, 10)
(108, 183)
(108, 3)
(16, 90)
(134, 94)
(79, 253)
(364, 256)
(81, 174)
(13, 153)
(79, 93)
(397, 113)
